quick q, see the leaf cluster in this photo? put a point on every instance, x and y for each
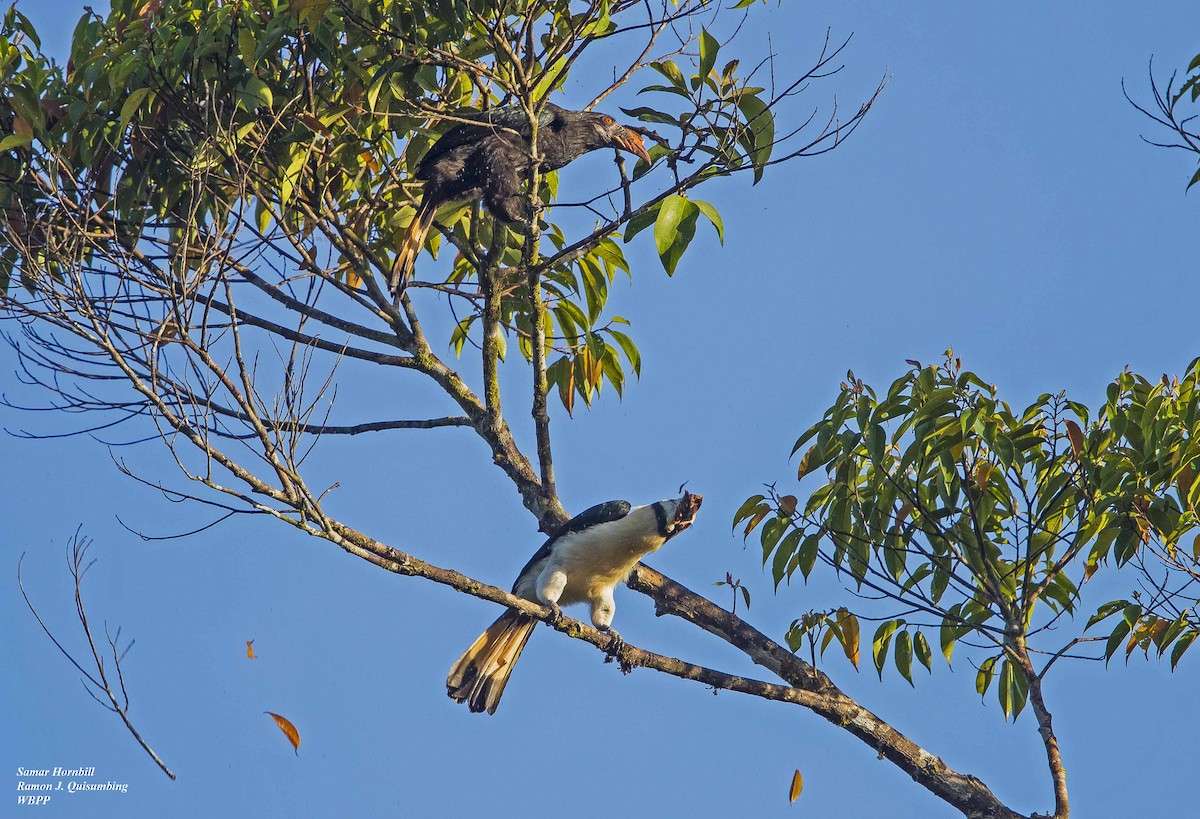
(980, 523)
(181, 127)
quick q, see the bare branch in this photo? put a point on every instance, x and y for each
(118, 698)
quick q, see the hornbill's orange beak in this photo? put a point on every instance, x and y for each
(685, 512)
(633, 143)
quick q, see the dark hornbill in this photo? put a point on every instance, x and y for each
(581, 563)
(489, 159)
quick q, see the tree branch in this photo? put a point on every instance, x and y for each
(78, 548)
(807, 687)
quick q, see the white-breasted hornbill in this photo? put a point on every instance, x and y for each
(581, 563)
(489, 159)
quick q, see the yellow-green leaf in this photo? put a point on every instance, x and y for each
(708, 53)
(132, 103)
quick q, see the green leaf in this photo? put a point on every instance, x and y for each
(1106, 611)
(923, 652)
(983, 678)
(630, 349)
(459, 337)
(671, 71)
(670, 214)
(674, 229)
(132, 103)
(795, 636)
(904, 655)
(761, 123)
(651, 115)
(809, 461)
(708, 53)
(894, 555)
(711, 213)
(1115, 639)
(747, 509)
(257, 94)
(770, 535)
(1182, 646)
(808, 555)
(13, 141)
(879, 644)
(760, 512)
(1195, 179)
(1004, 690)
(949, 635)
(640, 222)
(552, 78)
(783, 554)
(1013, 690)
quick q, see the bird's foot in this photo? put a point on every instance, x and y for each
(556, 615)
(616, 649)
(533, 206)
(523, 227)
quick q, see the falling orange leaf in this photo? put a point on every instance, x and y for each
(288, 729)
(250, 649)
(1076, 436)
(797, 786)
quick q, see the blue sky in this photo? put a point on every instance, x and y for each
(998, 200)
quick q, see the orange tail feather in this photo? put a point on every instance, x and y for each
(410, 248)
(479, 676)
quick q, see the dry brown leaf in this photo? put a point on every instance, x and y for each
(1076, 436)
(166, 332)
(314, 124)
(1183, 483)
(250, 649)
(288, 729)
(797, 786)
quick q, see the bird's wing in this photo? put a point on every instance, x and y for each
(506, 116)
(513, 116)
(600, 513)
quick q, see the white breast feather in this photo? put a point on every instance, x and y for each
(597, 559)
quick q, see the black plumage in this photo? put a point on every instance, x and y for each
(488, 159)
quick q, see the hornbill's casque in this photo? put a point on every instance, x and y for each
(489, 160)
(582, 563)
